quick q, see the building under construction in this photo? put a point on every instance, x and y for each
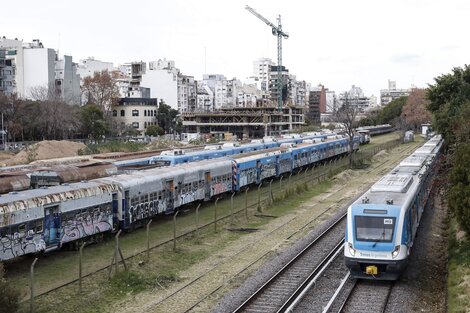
(253, 122)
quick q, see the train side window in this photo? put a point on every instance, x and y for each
(3, 231)
(22, 228)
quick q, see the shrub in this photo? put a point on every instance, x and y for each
(9, 296)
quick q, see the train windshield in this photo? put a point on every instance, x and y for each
(159, 163)
(374, 228)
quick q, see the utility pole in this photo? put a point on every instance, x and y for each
(277, 31)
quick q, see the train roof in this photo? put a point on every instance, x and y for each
(42, 196)
(414, 160)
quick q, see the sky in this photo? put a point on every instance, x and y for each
(338, 43)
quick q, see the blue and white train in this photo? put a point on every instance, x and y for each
(47, 218)
(382, 223)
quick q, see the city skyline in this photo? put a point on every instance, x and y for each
(337, 44)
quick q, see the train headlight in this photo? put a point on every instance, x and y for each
(396, 252)
(352, 251)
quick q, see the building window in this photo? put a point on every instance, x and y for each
(135, 112)
(145, 112)
(135, 124)
(114, 112)
(123, 113)
(154, 112)
(145, 124)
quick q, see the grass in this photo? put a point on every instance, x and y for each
(164, 265)
(458, 284)
(112, 146)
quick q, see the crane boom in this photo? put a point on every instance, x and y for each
(277, 31)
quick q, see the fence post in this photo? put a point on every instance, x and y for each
(215, 215)
(271, 192)
(174, 230)
(231, 208)
(116, 251)
(148, 240)
(289, 178)
(80, 268)
(197, 219)
(259, 197)
(31, 286)
(280, 183)
(246, 202)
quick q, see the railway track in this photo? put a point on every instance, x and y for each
(364, 296)
(277, 293)
(194, 282)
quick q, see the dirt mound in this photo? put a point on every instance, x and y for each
(43, 150)
(343, 177)
(380, 155)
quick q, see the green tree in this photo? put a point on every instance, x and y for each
(93, 122)
(446, 97)
(167, 117)
(459, 192)
(389, 114)
(154, 130)
(449, 101)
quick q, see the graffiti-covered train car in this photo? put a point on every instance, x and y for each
(46, 218)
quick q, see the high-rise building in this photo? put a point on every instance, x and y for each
(262, 70)
(33, 69)
(392, 93)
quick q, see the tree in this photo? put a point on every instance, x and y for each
(459, 192)
(389, 114)
(346, 115)
(449, 101)
(154, 130)
(57, 119)
(93, 122)
(415, 112)
(446, 97)
(167, 117)
(101, 90)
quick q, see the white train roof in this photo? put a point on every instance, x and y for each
(414, 160)
(39, 197)
(393, 183)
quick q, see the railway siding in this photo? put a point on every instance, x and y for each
(233, 269)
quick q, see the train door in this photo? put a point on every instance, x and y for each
(52, 225)
(207, 186)
(169, 195)
(115, 211)
(258, 171)
(278, 169)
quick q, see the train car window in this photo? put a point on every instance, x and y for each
(22, 228)
(4, 231)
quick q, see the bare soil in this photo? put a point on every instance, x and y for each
(45, 150)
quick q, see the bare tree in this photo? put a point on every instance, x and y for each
(101, 90)
(346, 115)
(57, 119)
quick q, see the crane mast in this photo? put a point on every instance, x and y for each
(277, 31)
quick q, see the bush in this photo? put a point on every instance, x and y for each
(459, 193)
(9, 296)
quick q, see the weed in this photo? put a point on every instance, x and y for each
(129, 282)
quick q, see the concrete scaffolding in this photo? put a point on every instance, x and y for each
(254, 122)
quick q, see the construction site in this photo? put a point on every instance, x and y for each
(254, 122)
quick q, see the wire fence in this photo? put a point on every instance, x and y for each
(225, 213)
